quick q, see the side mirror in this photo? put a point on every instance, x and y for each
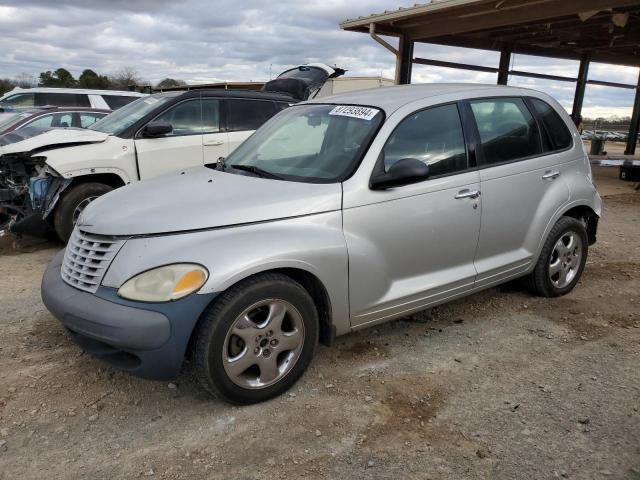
(403, 172)
(156, 129)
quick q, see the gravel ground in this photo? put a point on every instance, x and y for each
(500, 385)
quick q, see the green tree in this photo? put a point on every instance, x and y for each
(90, 79)
(60, 78)
(6, 85)
(170, 82)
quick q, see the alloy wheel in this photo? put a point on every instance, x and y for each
(565, 259)
(263, 344)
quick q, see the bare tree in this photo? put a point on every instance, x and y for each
(25, 80)
(124, 78)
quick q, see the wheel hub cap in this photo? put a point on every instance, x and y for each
(565, 259)
(263, 344)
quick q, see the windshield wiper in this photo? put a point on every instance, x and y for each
(256, 171)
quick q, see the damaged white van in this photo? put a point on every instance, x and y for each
(337, 214)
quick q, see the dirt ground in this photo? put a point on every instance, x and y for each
(500, 385)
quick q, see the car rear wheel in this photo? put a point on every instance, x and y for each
(562, 259)
(256, 340)
(71, 205)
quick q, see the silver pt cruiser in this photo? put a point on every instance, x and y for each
(335, 215)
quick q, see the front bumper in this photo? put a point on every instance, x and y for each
(146, 339)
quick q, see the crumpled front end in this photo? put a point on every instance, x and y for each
(29, 189)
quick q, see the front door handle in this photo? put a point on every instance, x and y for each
(466, 193)
(213, 143)
(551, 174)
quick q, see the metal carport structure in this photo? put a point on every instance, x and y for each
(606, 31)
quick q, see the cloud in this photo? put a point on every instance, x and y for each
(205, 41)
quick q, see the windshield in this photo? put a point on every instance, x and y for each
(309, 143)
(8, 120)
(21, 134)
(118, 121)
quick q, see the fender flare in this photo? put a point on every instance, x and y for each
(84, 172)
(556, 216)
(63, 181)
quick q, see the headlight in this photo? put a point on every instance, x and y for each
(164, 284)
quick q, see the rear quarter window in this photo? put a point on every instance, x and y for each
(117, 101)
(554, 130)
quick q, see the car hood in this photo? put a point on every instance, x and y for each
(202, 198)
(54, 138)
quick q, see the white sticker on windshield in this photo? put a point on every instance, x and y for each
(365, 113)
(150, 100)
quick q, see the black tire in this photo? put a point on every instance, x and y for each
(63, 220)
(211, 333)
(539, 281)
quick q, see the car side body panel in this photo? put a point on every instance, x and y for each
(414, 247)
(517, 203)
(312, 243)
(113, 155)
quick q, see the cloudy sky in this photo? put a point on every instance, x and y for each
(205, 41)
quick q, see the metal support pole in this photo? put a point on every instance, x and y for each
(581, 85)
(505, 62)
(404, 63)
(635, 124)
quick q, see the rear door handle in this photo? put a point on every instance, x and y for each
(213, 143)
(466, 193)
(551, 174)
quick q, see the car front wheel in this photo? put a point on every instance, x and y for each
(256, 340)
(71, 205)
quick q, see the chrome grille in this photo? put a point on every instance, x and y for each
(87, 258)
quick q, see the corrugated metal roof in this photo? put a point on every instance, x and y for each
(403, 12)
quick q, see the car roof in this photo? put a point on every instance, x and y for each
(235, 93)
(390, 99)
(88, 91)
(54, 109)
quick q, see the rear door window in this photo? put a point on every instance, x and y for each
(210, 115)
(246, 114)
(63, 99)
(507, 130)
(433, 136)
(554, 131)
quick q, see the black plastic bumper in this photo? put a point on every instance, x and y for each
(145, 339)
